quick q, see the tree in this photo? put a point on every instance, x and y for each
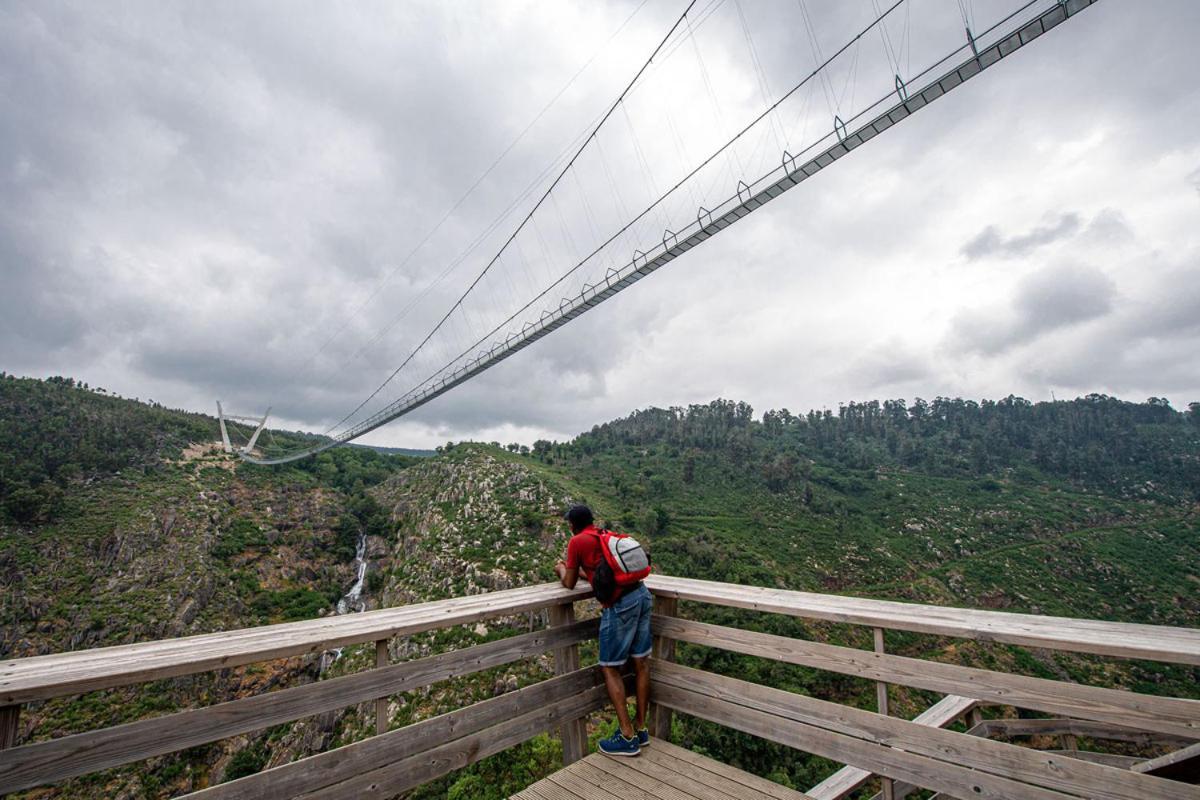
(779, 472)
(689, 465)
(24, 505)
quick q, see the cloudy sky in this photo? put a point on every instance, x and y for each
(229, 200)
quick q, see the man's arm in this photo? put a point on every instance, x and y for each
(568, 576)
(568, 571)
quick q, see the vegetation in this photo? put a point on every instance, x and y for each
(1081, 508)
(1095, 441)
(118, 525)
(57, 431)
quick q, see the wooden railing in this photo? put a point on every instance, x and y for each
(392, 760)
(919, 753)
(905, 754)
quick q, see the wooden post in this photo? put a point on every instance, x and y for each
(10, 717)
(881, 700)
(664, 650)
(974, 718)
(566, 659)
(381, 705)
(1069, 742)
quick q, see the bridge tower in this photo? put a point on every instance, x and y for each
(259, 422)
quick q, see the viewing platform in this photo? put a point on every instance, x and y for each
(878, 750)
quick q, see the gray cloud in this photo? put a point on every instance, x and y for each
(194, 200)
(889, 367)
(1108, 228)
(1153, 342)
(1045, 301)
(990, 242)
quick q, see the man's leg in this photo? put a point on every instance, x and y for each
(616, 693)
(642, 667)
(643, 643)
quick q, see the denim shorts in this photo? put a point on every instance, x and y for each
(625, 628)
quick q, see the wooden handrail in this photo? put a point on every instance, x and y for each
(42, 677)
(847, 779)
(954, 763)
(406, 757)
(870, 740)
(1173, 716)
(1122, 639)
(1142, 735)
(69, 756)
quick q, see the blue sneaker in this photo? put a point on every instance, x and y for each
(643, 737)
(618, 745)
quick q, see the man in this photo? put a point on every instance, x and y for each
(624, 633)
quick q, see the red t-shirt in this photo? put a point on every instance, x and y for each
(584, 553)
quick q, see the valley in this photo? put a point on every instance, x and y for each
(125, 525)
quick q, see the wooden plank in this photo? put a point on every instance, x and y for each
(1169, 715)
(432, 763)
(664, 784)
(528, 794)
(1109, 759)
(975, 717)
(553, 791)
(1180, 765)
(566, 659)
(663, 650)
(945, 711)
(10, 727)
(881, 706)
(1155, 642)
(694, 781)
(840, 783)
(927, 772)
(56, 759)
(596, 784)
(847, 779)
(381, 704)
(701, 763)
(1077, 727)
(579, 690)
(42, 677)
(952, 749)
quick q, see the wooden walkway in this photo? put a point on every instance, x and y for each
(661, 772)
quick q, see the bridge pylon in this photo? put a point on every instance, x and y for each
(259, 422)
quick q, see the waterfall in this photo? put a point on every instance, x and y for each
(352, 601)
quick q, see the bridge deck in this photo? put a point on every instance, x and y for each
(661, 772)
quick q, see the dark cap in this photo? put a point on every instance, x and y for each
(579, 516)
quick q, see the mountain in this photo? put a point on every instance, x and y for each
(397, 451)
(134, 526)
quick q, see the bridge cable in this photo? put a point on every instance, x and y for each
(687, 177)
(528, 216)
(475, 185)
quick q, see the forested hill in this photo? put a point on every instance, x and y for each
(56, 431)
(59, 432)
(1097, 441)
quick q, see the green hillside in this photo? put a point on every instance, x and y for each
(140, 529)
(1084, 508)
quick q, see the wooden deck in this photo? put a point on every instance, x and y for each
(661, 772)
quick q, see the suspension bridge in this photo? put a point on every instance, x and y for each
(600, 218)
